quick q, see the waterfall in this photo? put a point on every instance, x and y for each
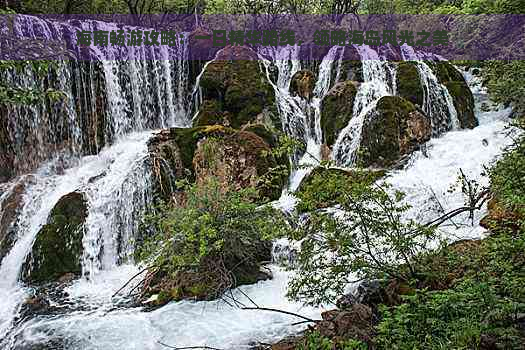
(108, 107)
(104, 99)
(437, 101)
(116, 202)
(301, 118)
(116, 186)
(379, 81)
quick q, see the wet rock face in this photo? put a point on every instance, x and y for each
(396, 128)
(336, 110)
(6, 152)
(408, 83)
(166, 162)
(237, 160)
(303, 84)
(499, 218)
(462, 97)
(58, 246)
(236, 91)
(9, 209)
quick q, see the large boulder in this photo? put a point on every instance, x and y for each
(303, 84)
(236, 90)
(408, 83)
(462, 97)
(57, 249)
(394, 129)
(336, 110)
(242, 157)
(239, 159)
(11, 202)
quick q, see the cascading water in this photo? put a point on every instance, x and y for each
(300, 117)
(378, 82)
(437, 101)
(115, 197)
(118, 96)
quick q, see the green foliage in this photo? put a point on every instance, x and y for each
(454, 318)
(367, 238)
(213, 227)
(484, 300)
(315, 341)
(27, 96)
(506, 83)
(326, 187)
(508, 175)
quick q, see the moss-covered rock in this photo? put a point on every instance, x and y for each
(336, 110)
(394, 129)
(242, 160)
(207, 280)
(10, 208)
(58, 246)
(352, 70)
(462, 97)
(211, 113)
(240, 90)
(303, 84)
(323, 187)
(408, 83)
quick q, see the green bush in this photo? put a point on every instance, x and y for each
(213, 235)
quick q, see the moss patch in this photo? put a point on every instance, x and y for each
(394, 129)
(336, 110)
(323, 187)
(408, 83)
(58, 246)
(462, 97)
(239, 89)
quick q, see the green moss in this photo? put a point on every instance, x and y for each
(263, 132)
(462, 97)
(187, 139)
(210, 113)
(388, 135)
(336, 110)
(408, 83)
(58, 247)
(239, 88)
(324, 186)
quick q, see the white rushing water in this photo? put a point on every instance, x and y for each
(378, 82)
(219, 325)
(301, 117)
(114, 183)
(437, 101)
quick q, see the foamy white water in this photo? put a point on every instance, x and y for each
(180, 324)
(115, 166)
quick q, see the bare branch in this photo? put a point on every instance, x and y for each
(282, 312)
